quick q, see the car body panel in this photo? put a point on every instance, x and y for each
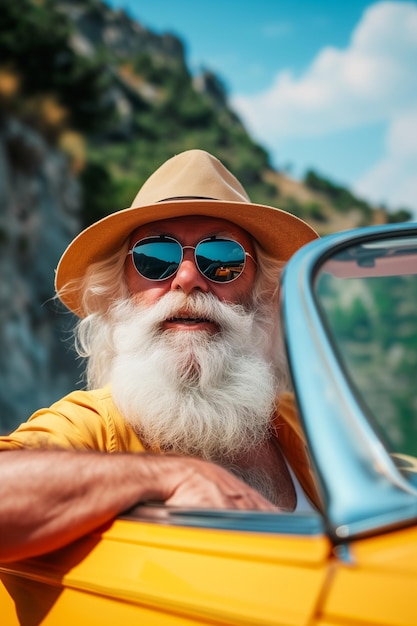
(135, 572)
(175, 575)
(378, 585)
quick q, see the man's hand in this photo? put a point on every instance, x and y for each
(195, 483)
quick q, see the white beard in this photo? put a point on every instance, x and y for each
(191, 392)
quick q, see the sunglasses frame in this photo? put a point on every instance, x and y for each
(214, 238)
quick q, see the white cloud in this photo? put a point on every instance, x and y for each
(393, 180)
(372, 80)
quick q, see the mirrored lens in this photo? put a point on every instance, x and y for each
(157, 259)
(220, 260)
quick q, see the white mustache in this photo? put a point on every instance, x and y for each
(202, 306)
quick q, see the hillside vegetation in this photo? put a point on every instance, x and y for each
(120, 100)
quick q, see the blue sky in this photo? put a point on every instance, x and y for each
(325, 85)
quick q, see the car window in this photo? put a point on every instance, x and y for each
(367, 295)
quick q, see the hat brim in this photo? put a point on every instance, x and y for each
(279, 233)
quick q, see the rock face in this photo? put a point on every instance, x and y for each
(97, 25)
(40, 203)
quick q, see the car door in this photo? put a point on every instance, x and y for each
(155, 566)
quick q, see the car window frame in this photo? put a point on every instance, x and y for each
(370, 501)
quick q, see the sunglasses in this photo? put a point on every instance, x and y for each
(217, 259)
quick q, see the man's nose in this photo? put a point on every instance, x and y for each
(188, 278)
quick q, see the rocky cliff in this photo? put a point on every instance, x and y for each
(40, 206)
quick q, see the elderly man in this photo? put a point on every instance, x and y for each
(177, 299)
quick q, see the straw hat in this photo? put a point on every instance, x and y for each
(190, 183)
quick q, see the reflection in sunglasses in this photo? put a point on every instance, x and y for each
(219, 260)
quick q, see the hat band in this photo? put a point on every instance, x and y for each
(188, 198)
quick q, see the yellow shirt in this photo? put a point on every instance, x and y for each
(89, 420)
(83, 420)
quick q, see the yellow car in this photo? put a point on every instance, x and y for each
(349, 317)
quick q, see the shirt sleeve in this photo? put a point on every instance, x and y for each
(80, 421)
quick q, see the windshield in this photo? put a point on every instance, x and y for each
(368, 297)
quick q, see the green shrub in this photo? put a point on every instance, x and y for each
(341, 198)
(34, 42)
(401, 215)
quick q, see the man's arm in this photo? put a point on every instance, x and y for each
(50, 498)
